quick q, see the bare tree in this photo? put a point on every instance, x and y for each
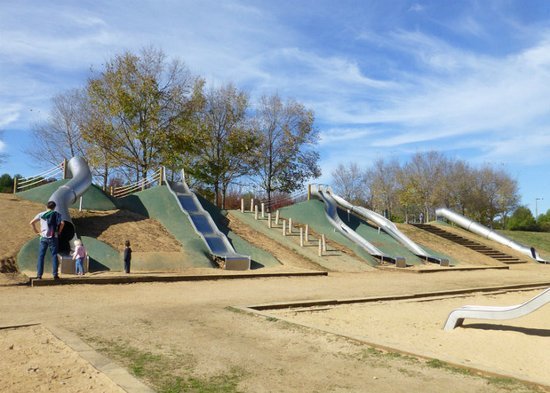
(59, 137)
(350, 181)
(383, 183)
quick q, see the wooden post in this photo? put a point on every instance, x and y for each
(284, 228)
(309, 192)
(307, 233)
(324, 241)
(320, 250)
(255, 212)
(277, 218)
(290, 226)
(301, 237)
(161, 175)
(111, 190)
(269, 220)
(242, 205)
(14, 185)
(263, 210)
(251, 205)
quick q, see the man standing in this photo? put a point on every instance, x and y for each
(51, 225)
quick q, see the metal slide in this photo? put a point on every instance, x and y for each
(68, 194)
(204, 225)
(389, 227)
(487, 233)
(323, 193)
(456, 317)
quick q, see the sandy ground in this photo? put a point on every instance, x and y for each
(34, 360)
(518, 348)
(193, 324)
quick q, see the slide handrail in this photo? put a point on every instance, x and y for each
(457, 316)
(487, 233)
(30, 181)
(122, 191)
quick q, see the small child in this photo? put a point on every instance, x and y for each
(127, 256)
(79, 254)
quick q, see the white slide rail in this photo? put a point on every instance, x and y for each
(457, 316)
(389, 227)
(28, 182)
(218, 244)
(487, 233)
(323, 193)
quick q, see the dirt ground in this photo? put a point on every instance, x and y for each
(192, 324)
(191, 331)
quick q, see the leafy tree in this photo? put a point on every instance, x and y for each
(134, 104)
(522, 220)
(286, 158)
(543, 220)
(350, 181)
(224, 142)
(6, 183)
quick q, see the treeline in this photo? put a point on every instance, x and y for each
(414, 189)
(141, 111)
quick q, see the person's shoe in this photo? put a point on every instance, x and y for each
(56, 277)
(37, 278)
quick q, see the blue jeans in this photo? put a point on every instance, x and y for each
(46, 243)
(79, 267)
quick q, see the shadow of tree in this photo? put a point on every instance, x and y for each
(94, 226)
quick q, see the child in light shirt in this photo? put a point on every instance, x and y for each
(79, 254)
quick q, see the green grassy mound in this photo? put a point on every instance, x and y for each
(539, 240)
(312, 212)
(260, 258)
(160, 204)
(93, 199)
(102, 256)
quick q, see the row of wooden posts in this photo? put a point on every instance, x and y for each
(286, 229)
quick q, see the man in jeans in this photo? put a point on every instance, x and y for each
(51, 225)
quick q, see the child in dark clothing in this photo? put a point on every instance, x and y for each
(127, 256)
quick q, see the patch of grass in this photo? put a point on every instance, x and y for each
(436, 363)
(224, 383)
(539, 240)
(168, 373)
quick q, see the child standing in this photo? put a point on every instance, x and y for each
(79, 254)
(127, 256)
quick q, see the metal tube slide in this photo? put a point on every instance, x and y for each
(487, 233)
(457, 316)
(389, 227)
(67, 194)
(206, 228)
(323, 193)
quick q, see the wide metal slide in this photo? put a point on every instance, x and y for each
(487, 233)
(324, 193)
(218, 244)
(390, 228)
(457, 316)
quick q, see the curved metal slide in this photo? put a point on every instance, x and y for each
(67, 194)
(487, 233)
(204, 225)
(389, 227)
(323, 193)
(456, 317)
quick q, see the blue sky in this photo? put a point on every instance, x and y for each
(385, 78)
